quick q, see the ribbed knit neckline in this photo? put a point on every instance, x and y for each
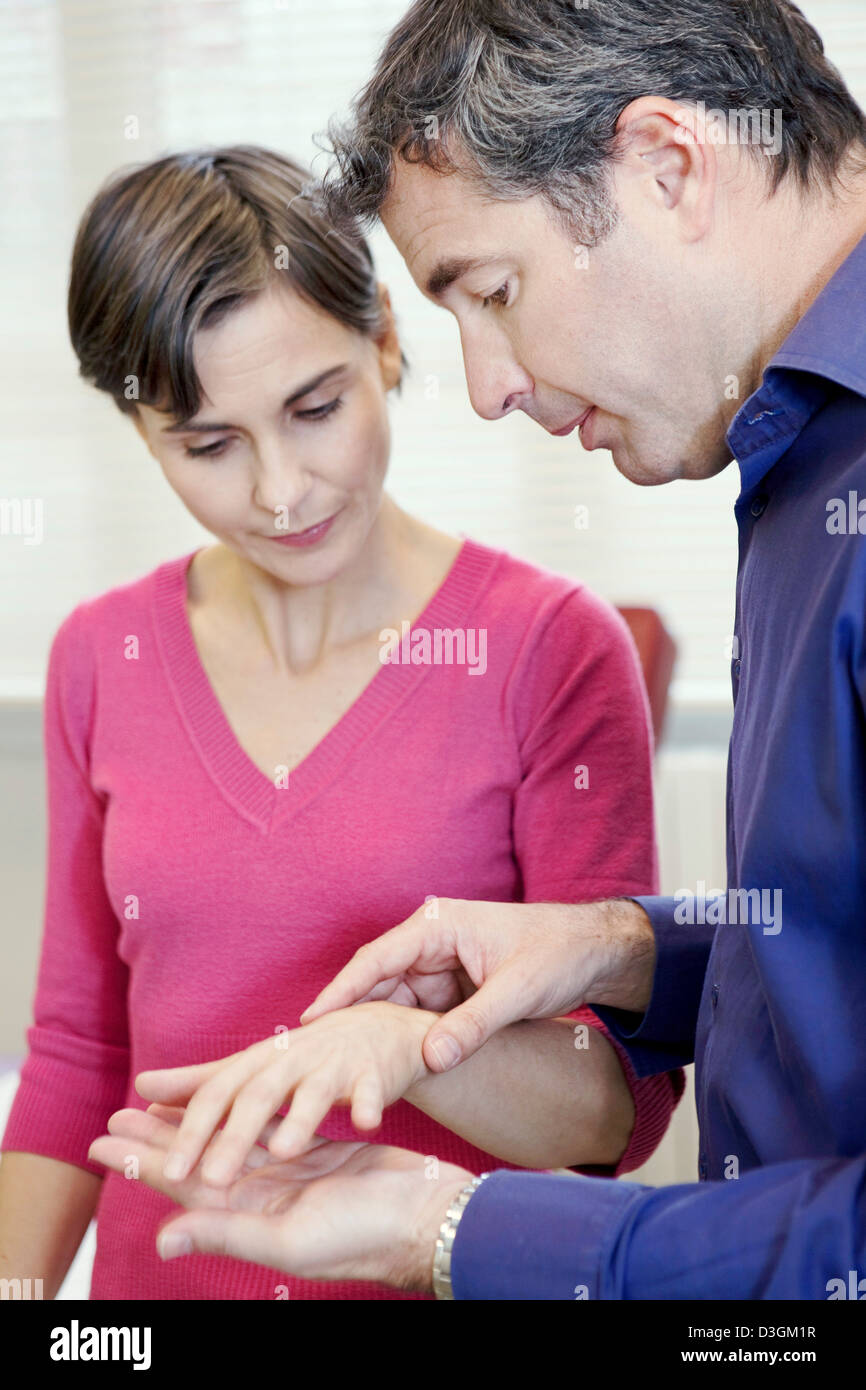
(240, 781)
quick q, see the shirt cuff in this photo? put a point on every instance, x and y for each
(535, 1236)
(663, 1038)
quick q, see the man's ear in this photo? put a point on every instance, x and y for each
(388, 343)
(663, 155)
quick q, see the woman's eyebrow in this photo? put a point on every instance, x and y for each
(206, 427)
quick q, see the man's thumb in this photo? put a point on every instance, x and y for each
(460, 1033)
(244, 1235)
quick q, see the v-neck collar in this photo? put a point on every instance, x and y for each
(240, 781)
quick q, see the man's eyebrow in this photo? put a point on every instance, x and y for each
(190, 427)
(446, 271)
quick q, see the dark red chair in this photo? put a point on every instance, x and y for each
(657, 651)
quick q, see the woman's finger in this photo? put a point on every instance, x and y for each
(254, 1106)
(178, 1083)
(311, 1102)
(206, 1109)
(368, 1101)
(172, 1114)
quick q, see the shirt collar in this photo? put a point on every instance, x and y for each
(828, 343)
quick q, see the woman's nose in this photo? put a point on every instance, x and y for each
(281, 481)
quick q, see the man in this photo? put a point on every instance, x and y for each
(683, 280)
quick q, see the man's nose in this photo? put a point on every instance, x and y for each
(497, 384)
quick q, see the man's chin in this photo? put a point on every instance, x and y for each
(604, 435)
(642, 471)
(643, 462)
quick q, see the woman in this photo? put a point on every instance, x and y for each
(249, 776)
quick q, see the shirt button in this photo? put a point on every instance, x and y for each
(714, 995)
(759, 506)
(737, 666)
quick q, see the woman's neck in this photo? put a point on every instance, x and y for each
(401, 564)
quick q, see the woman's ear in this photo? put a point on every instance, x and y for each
(388, 343)
(135, 416)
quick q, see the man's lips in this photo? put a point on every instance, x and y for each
(575, 424)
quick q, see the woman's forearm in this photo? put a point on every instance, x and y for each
(539, 1094)
(45, 1207)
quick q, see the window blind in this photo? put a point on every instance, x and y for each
(88, 85)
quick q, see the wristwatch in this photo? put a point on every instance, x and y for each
(445, 1239)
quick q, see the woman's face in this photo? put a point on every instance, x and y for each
(285, 459)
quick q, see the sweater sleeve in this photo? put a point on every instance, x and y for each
(76, 1070)
(583, 813)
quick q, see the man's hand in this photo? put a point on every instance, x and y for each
(523, 961)
(366, 1057)
(337, 1211)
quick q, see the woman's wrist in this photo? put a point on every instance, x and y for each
(421, 1023)
(416, 1023)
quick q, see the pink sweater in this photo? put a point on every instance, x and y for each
(193, 907)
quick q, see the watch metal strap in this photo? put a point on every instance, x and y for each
(445, 1240)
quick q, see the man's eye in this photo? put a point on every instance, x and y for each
(209, 450)
(320, 412)
(499, 297)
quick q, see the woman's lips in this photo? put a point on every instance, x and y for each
(311, 536)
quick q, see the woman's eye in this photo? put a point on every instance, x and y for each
(220, 446)
(499, 297)
(321, 411)
(209, 450)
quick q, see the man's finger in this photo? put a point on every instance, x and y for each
(379, 966)
(142, 1160)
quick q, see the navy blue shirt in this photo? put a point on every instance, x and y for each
(764, 987)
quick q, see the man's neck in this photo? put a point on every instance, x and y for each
(807, 239)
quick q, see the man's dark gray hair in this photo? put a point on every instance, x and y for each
(523, 96)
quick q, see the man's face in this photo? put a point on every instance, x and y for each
(629, 329)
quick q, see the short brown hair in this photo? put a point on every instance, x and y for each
(170, 247)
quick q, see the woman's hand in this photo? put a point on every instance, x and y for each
(482, 966)
(336, 1211)
(366, 1057)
